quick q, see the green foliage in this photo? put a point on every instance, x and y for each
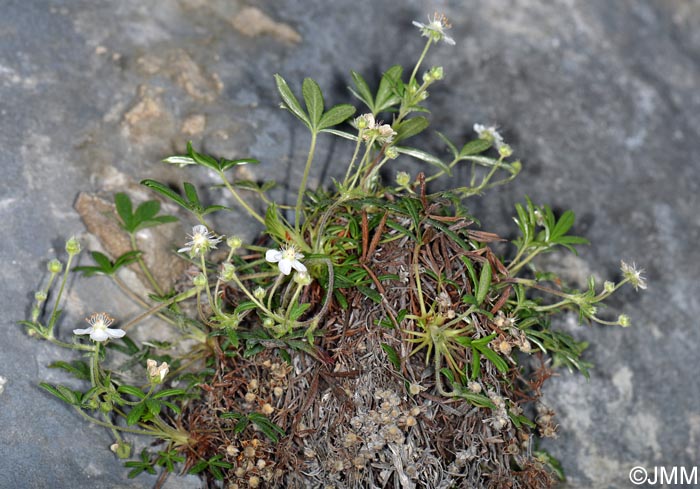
(315, 117)
(267, 427)
(468, 309)
(145, 215)
(107, 267)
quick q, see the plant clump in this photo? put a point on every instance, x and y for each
(374, 336)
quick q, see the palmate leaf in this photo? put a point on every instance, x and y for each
(313, 98)
(363, 91)
(336, 115)
(390, 86)
(290, 102)
(410, 127)
(145, 215)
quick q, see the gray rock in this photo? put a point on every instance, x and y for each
(598, 98)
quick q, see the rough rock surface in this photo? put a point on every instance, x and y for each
(598, 98)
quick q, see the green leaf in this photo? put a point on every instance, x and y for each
(153, 407)
(166, 191)
(336, 115)
(179, 160)
(423, 156)
(393, 356)
(297, 310)
(493, 357)
(370, 293)
(290, 102)
(135, 414)
(475, 147)
(363, 91)
(169, 392)
(313, 98)
(202, 159)
(56, 392)
(484, 283)
(410, 127)
(124, 209)
(342, 134)
(147, 210)
(270, 429)
(476, 364)
(191, 194)
(226, 164)
(79, 369)
(387, 93)
(563, 225)
(450, 145)
(132, 391)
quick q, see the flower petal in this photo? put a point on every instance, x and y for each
(273, 256)
(115, 333)
(200, 229)
(82, 331)
(99, 335)
(186, 248)
(298, 266)
(285, 266)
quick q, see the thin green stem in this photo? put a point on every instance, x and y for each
(302, 187)
(158, 307)
(240, 200)
(416, 272)
(420, 60)
(363, 162)
(95, 366)
(144, 268)
(292, 301)
(54, 313)
(129, 293)
(72, 346)
(213, 305)
(120, 428)
(253, 298)
(354, 156)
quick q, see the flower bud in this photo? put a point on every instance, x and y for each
(259, 293)
(365, 121)
(402, 179)
(122, 449)
(609, 287)
(475, 387)
(156, 373)
(435, 73)
(234, 242)
(269, 323)
(199, 281)
(73, 246)
(302, 278)
(504, 150)
(40, 297)
(55, 266)
(392, 153)
(228, 272)
(623, 320)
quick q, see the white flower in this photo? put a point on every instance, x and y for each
(157, 373)
(489, 132)
(202, 241)
(435, 29)
(631, 273)
(99, 328)
(374, 129)
(286, 258)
